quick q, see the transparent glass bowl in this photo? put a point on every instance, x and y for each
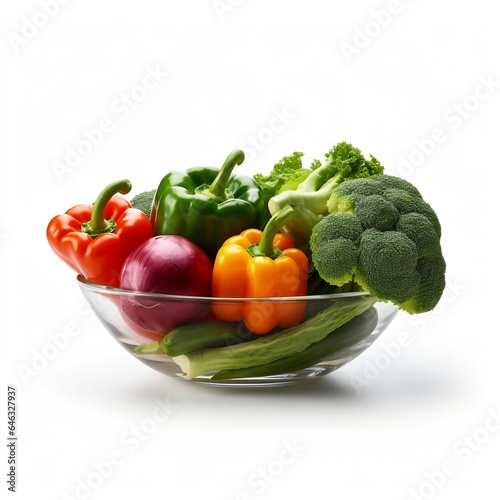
(344, 343)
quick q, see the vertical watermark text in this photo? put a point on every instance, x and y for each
(12, 454)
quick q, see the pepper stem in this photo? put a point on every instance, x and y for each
(217, 189)
(98, 224)
(265, 247)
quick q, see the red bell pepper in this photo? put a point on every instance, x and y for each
(94, 240)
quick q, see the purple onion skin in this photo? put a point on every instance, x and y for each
(166, 264)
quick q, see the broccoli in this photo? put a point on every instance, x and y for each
(382, 235)
(309, 197)
(144, 201)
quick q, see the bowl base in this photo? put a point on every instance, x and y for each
(269, 381)
(298, 376)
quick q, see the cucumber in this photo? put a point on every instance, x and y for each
(195, 336)
(348, 335)
(202, 335)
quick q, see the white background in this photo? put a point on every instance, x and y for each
(420, 91)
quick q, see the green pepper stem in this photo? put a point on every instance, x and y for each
(98, 224)
(218, 187)
(265, 247)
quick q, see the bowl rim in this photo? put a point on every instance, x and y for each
(96, 287)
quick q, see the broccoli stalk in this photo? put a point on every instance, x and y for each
(310, 197)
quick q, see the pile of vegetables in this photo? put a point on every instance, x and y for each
(339, 225)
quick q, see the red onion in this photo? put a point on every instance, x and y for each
(166, 264)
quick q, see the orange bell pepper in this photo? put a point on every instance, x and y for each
(94, 240)
(256, 264)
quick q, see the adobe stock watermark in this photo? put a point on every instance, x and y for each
(453, 118)
(279, 121)
(369, 30)
(259, 480)
(462, 450)
(223, 7)
(130, 441)
(120, 109)
(59, 340)
(33, 24)
(376, 366)
(453, 290)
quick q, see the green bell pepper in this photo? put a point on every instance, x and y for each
(208, 205)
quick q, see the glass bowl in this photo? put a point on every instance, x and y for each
(362, 319)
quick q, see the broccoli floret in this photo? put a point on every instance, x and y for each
(387, 264)
(375, 212)
(310, 197)
(406, 203)
(432, 282)
(421, 231)
(336, 247)
(144, 201)
(393, 250)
